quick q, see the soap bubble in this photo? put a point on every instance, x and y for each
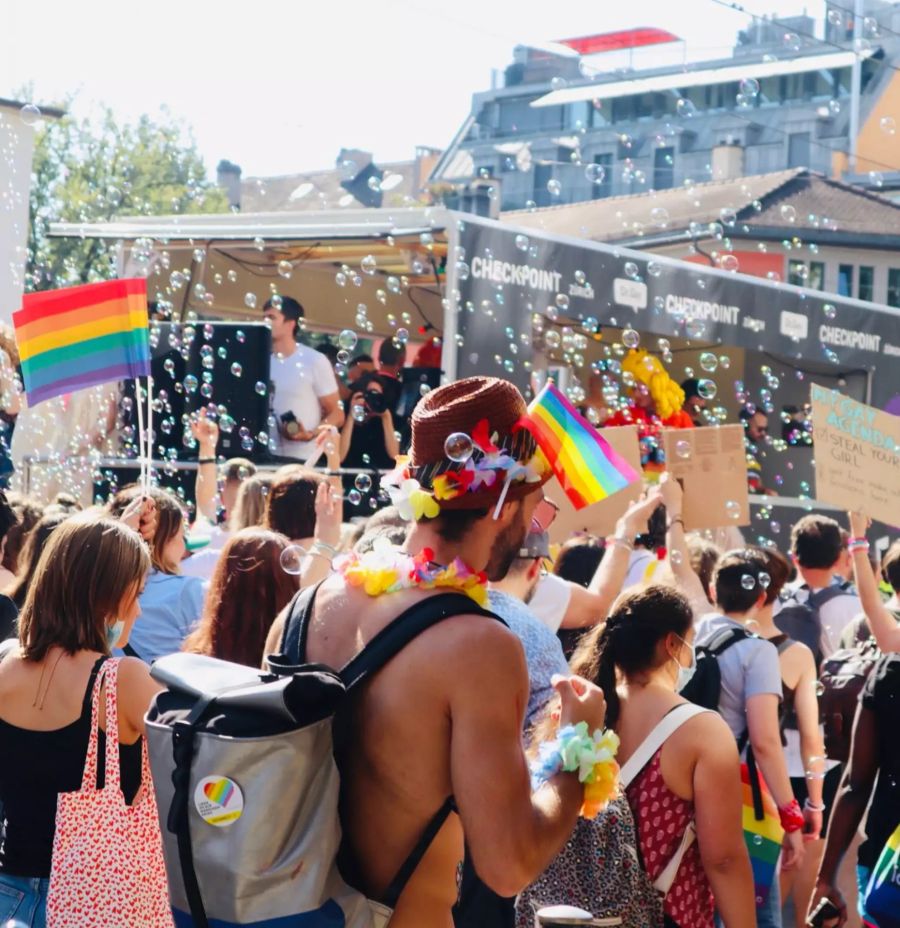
(30, 114)
(654, 268)
(685, 108)
(292, 560)
(250, 300)
(554, 188)
(683, 448)
(749, 87)
(458, 447)
(748, 582)
(595, 173)
(285, 268)
(829, 310)
(358, 412)
(368, 264)
(788, 213)
(236, 369)
(708, 361)
(402, 336)
(191, 383)
(888, 125)
(659, 216)
(580, 278)
(354, 497)
(363, 483)
(522, 242)
(631, 338)
(347, 339)
(765, 581)
(261, 388)
(631, 270)
(733, 509)
(226, 423)
(393, 284)
(729, 263)
(562, 300)
(707, 389)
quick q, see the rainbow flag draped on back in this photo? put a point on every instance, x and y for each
(584, 463)
(81, 336)
(762, 836)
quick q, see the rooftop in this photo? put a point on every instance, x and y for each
(795, 199)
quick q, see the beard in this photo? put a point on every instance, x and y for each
(506, 547)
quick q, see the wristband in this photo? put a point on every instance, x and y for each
(592, 757)
(677, 520)
(858, 544)
(623, 542)
(791, 816)
(812, 806)
(325, 546)
(206, 460)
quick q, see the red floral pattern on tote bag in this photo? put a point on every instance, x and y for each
(108, 869)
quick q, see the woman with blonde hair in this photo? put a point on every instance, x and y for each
(83, 601)
(250, 504)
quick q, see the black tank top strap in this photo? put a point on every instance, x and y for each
(89, 689)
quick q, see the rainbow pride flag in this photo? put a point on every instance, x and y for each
(81, 336)
(762, 836)
(883, 891)
(584, 463)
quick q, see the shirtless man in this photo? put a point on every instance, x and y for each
(444, 717)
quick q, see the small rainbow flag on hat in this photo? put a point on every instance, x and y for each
(81, 336)
(585, 464)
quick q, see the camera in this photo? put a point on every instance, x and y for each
(375, 401)
(292, 427)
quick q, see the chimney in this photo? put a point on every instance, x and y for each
(228, 177)
(727, 160)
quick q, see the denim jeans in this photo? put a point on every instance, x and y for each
(768, 915)
(23, 901)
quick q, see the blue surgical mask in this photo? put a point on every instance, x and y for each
(685, 674)
(114, 633)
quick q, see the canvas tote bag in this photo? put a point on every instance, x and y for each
(107, 869)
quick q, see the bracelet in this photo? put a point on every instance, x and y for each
(791, 816)
(325, 546)
(325, 557)
(812, 806)
(206, 460)
(677, 520)
(858, 544)
(622, 542)
(592, 757)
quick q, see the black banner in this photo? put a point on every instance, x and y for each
(503, 275)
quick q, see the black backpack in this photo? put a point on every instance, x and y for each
(706, 683)
(843, 677)
(800, 620)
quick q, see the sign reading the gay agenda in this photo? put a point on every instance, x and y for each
(710, 463)
(857, 451)
(600, 518)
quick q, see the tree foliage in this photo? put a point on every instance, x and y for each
(96, 169)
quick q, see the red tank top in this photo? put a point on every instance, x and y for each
(661, 818)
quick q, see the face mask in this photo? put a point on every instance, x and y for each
(114, 633)
(685, 674)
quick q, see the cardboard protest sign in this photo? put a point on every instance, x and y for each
(711, 465)
(600, 518)
(857, 453)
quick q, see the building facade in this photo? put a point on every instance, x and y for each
(550, 135)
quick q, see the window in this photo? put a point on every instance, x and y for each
(798, 150)
(816, 275)
(845, 279)
(866, 283)
(893, 290)
(798, 273)
(603, 188)
(664, 168)
(543, 174)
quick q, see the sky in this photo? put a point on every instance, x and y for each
(280, 87)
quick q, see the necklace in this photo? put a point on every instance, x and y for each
(386, 569)
(40, 705)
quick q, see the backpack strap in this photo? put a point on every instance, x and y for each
(295, 631)
(826, 594)
(724, 639)
(666, 726)
(395, 636)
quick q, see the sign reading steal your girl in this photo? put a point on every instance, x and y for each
(857, 450)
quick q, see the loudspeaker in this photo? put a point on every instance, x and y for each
(211, 364)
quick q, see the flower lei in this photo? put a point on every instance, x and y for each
(483, 469)
(386, 569)
(592, 756)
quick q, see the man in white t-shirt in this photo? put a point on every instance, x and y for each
(305, 391)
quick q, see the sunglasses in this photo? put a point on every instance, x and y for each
(544, 514)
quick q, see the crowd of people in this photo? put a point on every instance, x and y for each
(750, 695)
